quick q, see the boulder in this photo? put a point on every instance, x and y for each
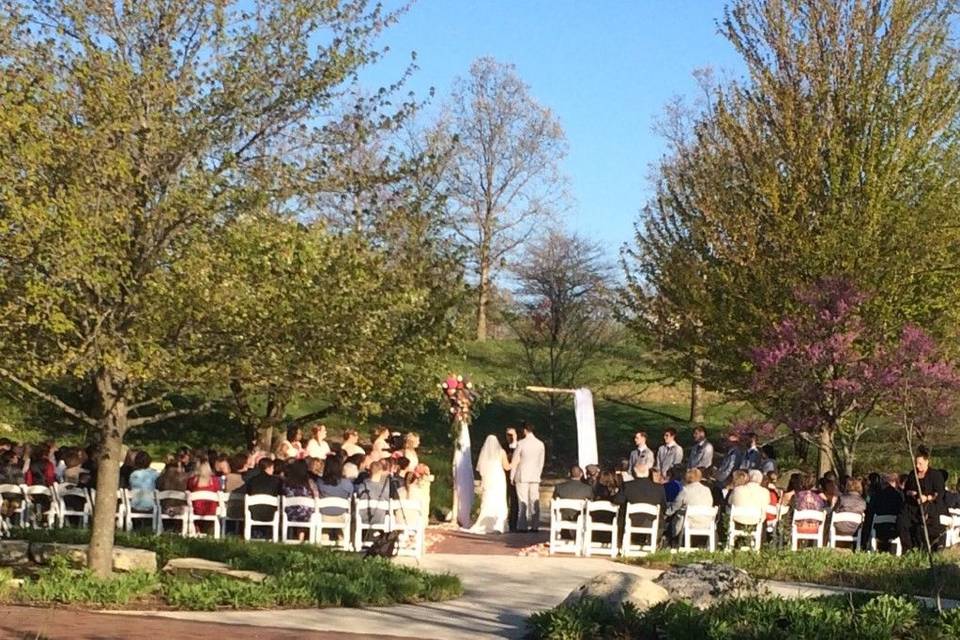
(201, 566)
(14, 552)
(703, 583)
(617, 587)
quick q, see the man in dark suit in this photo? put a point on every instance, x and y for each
(573, 489)
(511, 488)
(263, 483)
(642, 490)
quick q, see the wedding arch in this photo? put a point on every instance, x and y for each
(586, 424)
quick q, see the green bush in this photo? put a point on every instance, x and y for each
(758, 618)
(909, 574)
(297, 576)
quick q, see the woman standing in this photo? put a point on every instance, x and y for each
(410, 444)
(317, 447)
(380, 448)
(291, 448)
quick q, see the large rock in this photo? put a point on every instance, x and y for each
(617, 587)
(703, 583)
(19, 552)
(14, 552)
(200, 566)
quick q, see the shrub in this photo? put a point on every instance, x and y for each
(58, 582)
(756, 618)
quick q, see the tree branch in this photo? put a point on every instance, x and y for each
(57, 402)
(166, 415)
(315, 415)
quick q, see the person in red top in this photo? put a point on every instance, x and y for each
(41, 470)
(204, 480)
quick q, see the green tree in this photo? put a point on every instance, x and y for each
(836, 155)
(133, 136)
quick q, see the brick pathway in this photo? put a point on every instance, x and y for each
(449, 540)
(30, 623)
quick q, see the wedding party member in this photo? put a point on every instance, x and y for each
(642, 454)
(317, 446)
(351, 443)
(525, 471)
(751, 456)
(380, 448)
(768, 459)
(923, 500)
(731, 460)
(670, 454)
(491, 464)
(701, 453)
(290, 447)
(512, 506)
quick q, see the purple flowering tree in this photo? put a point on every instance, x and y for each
(820, 372)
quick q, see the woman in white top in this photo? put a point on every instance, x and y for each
(351, 444)
(380, 448)
(410, 443)
(492, 465)
(291, 447)
(317, 446)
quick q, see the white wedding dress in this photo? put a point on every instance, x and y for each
(493, 497)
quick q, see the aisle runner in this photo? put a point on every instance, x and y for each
(586, 428)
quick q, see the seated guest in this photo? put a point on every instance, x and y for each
(850, 501)
(351, 443)
(172, 478)
(332, 483)
(886, 499)
(317, 446)
(642, 490)
(770, 482)
(693, 494)
(574, 488)
(73, 470)
(951, 499)
(264, 483)
(808, 499)
(607, 486)
(297, 484)
(127, 467)
(11, 472)
(768, 459)
(591, 475)
(751, 495)
(40, 470)
(623, 473)
(315, 470)
(204, 480)
(673, 485)
(829, 492)
(143, 482)
(375, 487)
(236, 468)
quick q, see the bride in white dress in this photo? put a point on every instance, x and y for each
(492, 465)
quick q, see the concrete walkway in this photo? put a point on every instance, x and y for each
(500, 592)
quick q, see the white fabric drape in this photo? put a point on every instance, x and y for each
(463, 477)
(586, 428)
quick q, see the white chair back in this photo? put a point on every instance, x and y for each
(693, 525)
(249, 521)
(559, 524)
(333, 516)
(807, 515)
(630, 530)
(609, 529)
(408, 519)
(13, 492)
(36, 497)
(893, 542)
(182, 515)
(845, 517)
(370, 515)
(214, 518)
(141, 497)
(68, 497)
(287, 524)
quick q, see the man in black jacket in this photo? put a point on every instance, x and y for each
(263, 483)
(573, 489)
(642, 490)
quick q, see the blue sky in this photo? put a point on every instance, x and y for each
(606, 67)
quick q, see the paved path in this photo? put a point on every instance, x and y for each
(28, 623)
(500, 593)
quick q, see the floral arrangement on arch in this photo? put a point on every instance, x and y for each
(459, 396)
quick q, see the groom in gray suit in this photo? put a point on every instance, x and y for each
(525, 469)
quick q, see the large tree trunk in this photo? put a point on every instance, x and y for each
(113, 426)
(483, 298)
(276, 409)
(696, 395)
(825, 446)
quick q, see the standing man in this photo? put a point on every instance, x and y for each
(751, 457)
(669, 454)
(511, 488)
(731, 461)
(525, 470)
(642, 454)
(701, 454)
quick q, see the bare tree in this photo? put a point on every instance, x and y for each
(504, 179)
(562, 315)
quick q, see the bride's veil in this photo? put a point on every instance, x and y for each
(489, 461)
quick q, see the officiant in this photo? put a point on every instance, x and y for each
(511, 448)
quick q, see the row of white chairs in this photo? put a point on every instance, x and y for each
(580, 538)
(341, 522)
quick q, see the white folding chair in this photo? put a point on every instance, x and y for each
(816, 537)
(287, 525)
(73, 494)
(141, 497)
(591, 526)
(845, 517)
(249, 522)
(231, 511)
(751, 532)
(630, 530)
(408, 520)
(773, 524)
(333, 515)
(13, 492)
(371, 515)
(894, 542)
(121, 511)
(183, 516)
(34, 499)
(701, 514)
(953, 528)
(559, 523)
(193, 518)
